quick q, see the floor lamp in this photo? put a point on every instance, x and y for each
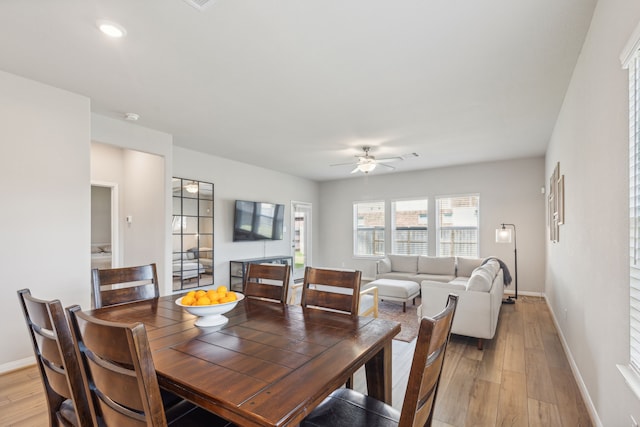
(503, 235)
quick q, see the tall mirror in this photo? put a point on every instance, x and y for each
(192, 227)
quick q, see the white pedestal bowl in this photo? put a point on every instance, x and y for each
(211, 315)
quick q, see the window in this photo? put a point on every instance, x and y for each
(368, 228)
(634, 208)
(458, 225)
(409, 222)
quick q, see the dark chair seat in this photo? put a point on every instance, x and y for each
(345, 407)
(67, 414)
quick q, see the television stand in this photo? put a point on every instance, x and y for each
(238, 268)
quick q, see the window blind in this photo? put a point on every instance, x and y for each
(458, 225)
(634, 209)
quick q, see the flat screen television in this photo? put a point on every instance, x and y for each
(257, 221)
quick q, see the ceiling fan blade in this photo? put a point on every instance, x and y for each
(356, 169)
(344, 164)
(389, 160)
(409, 155)
(387, 166)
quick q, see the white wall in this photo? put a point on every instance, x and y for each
(45, 219)
(587, 270)
(509, 192)
(234, 180)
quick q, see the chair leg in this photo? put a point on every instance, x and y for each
(480, 343)
(404, 307)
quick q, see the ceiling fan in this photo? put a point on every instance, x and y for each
(367, 162)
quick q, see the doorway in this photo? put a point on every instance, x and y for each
(301, 238)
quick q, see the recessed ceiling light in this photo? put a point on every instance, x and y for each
(111, 29)
(132, 117)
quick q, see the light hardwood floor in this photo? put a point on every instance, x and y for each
(521, 378)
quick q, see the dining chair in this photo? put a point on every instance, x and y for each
(120, 377)
(111, 286)
(267, 281)
(348, 408)
(57, 361)
(336, 290)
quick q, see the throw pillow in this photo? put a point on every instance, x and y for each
(384, 265)
(480, 280)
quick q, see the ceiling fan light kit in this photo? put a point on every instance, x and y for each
(365, 167)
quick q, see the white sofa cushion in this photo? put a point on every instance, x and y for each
(404, 263)
(445, 266)
(465, 266)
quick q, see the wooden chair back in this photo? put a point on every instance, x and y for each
(118, 371)
(57, 361)
(267, 281)
(135, 284)
(317, 292)
(426, 367)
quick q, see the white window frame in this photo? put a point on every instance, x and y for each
(394, 243)
(357, 228)
(439, 226)
(630, 59)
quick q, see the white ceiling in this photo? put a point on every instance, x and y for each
(297, 85)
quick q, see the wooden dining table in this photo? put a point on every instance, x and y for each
(270, 365)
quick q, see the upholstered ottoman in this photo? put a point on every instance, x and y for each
(396, 290)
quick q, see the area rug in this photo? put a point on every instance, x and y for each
(409, 320)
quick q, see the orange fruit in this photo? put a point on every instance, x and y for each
(191, 294)
(232, 296)
(213, 296)
(188, 300)
(222, 289)
(203, 301)
(200, 294)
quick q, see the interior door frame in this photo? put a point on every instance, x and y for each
(115, 231)
(308, 235)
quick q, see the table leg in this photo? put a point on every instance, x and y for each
(378, 370)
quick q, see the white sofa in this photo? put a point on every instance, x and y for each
(479, 300)
(480, 288)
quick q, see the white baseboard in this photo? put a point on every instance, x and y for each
(17, 364)
(525, 293)
(593, 414)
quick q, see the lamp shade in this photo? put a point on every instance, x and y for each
(503, 235)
